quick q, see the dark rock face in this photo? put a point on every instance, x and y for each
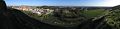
(2, 4)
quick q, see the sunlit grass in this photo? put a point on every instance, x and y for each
(94, 13)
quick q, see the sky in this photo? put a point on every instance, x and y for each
(63, 2)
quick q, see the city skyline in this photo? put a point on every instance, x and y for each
(108, 3)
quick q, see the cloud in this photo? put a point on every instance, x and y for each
(111, 2)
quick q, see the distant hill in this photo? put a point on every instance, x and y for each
(116, 7)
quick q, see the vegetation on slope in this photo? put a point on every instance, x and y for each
(72, 18)
(113, 19)
(94, 13)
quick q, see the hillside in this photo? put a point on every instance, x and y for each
(63, 19)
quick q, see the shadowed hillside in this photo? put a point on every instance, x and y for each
(14, 19)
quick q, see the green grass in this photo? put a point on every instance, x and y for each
(94, 13)
(88, 14)
(52, 19)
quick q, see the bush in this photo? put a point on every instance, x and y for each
(113, 19)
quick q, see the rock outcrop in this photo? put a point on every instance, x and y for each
(2, 5)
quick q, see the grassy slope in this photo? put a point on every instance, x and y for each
(94, 13)
(113, 19)
(89, 14)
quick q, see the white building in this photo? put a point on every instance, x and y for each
(42, 11)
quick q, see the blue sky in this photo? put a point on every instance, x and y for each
(64, 2)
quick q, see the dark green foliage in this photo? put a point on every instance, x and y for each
(68, 18)
(63, 18)
(44, 7)
(116, 7)
(113, 19)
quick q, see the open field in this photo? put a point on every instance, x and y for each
(94, 13)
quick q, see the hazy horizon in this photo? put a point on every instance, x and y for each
(100, 3)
